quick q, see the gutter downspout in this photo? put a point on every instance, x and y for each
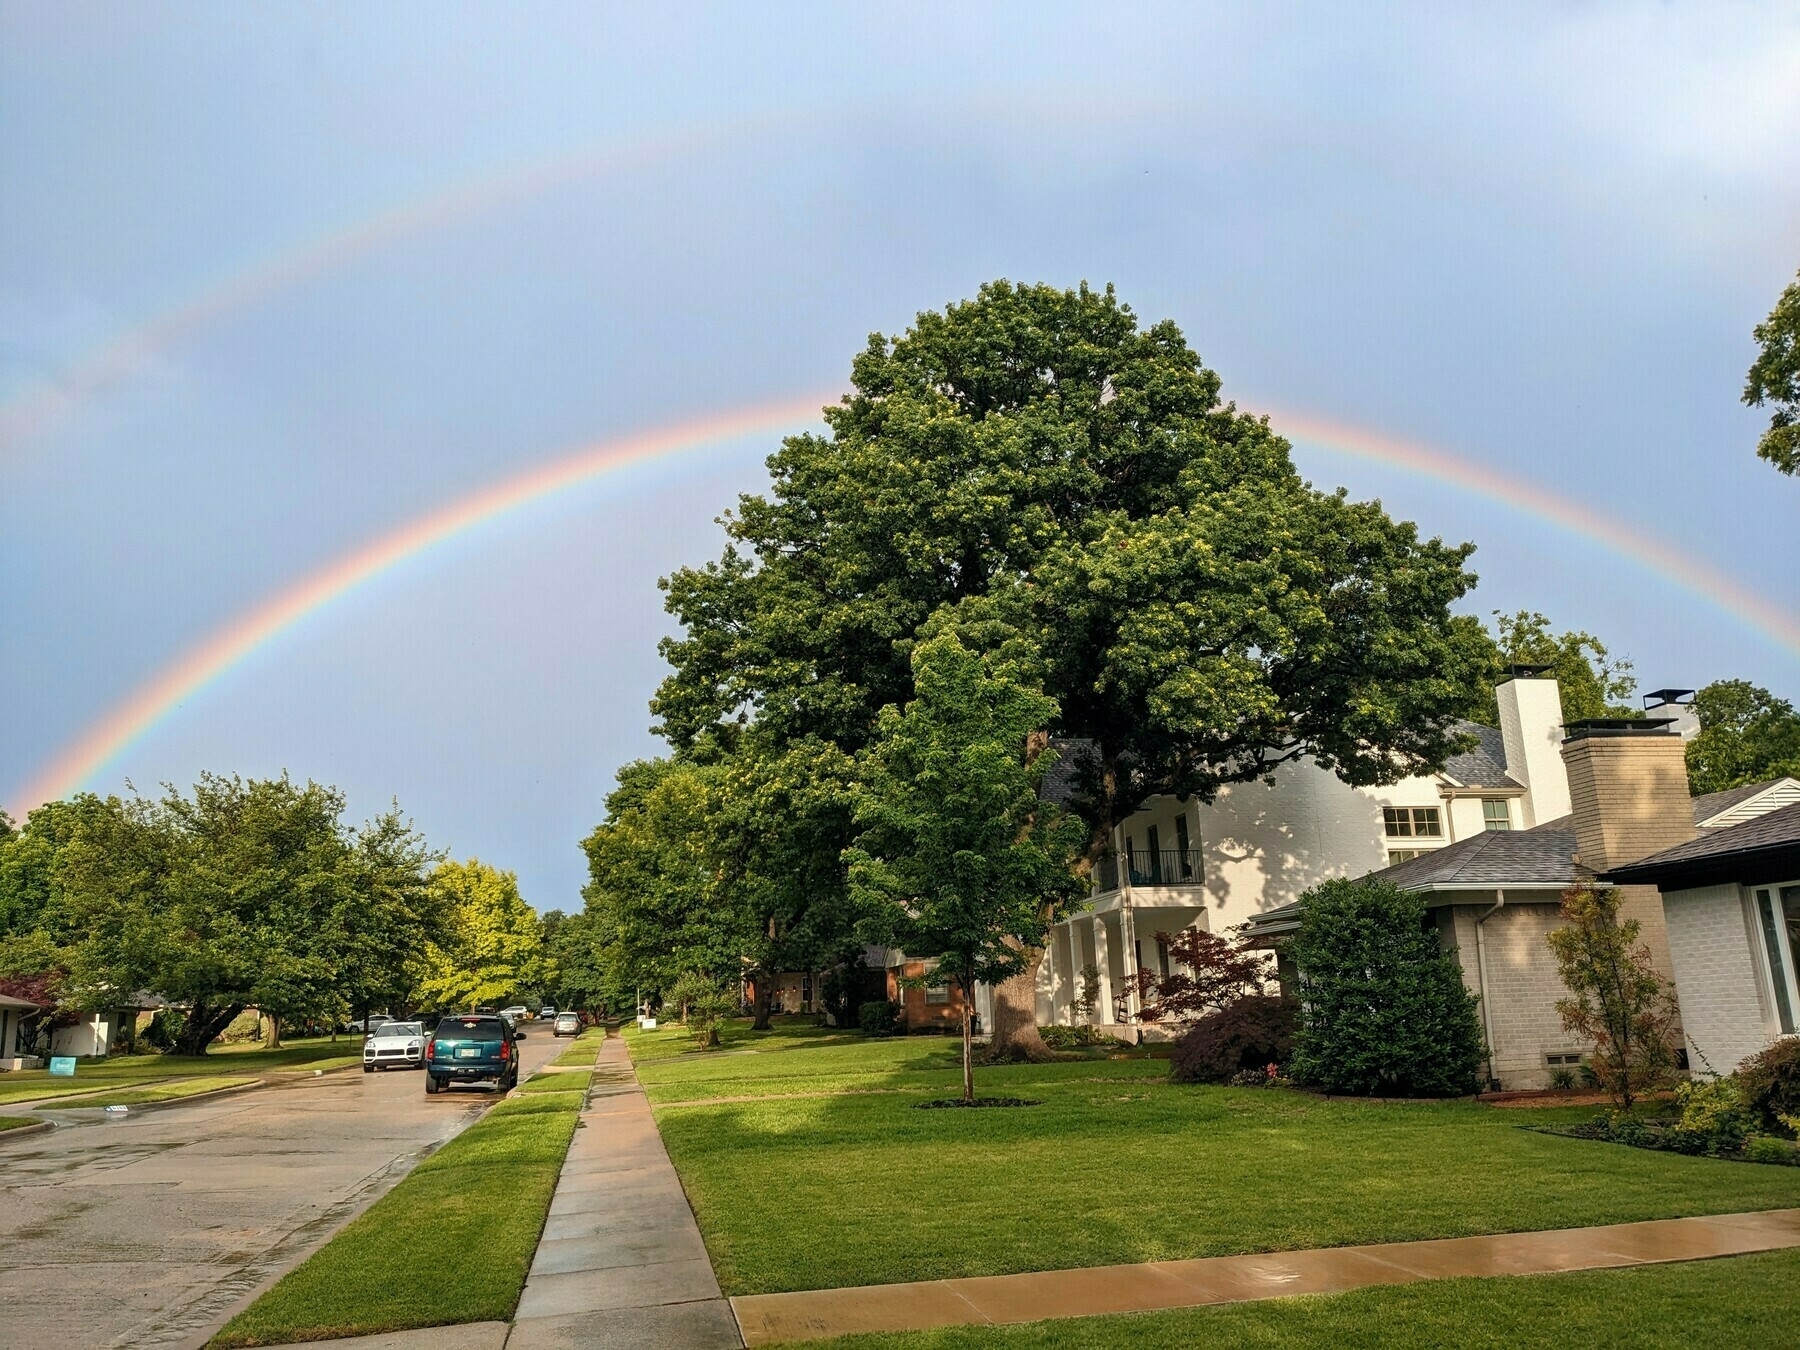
(1487, 1022)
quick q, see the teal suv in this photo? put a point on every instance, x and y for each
(473, 1048)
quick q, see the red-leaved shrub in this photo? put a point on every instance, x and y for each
(1247, 1033)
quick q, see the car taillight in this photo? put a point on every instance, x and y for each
(505, 1051)
(430, 1049)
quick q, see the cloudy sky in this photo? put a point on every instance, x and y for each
(279, 280)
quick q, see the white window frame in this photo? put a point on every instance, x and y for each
(1784, 954)
(1488, 822)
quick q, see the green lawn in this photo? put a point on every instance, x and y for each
(161, 1092)
(583, 1048)
(1115, 1165)
(15, 1122)
(565, 1081)
(136, 1070)
(451, 1243)
(1737, 1301)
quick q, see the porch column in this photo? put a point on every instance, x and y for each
(1062, 964)
(1128, 935)
(1103, 1010)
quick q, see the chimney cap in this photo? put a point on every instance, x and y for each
(1526, 672)
(1658, 698)
(1583, 728)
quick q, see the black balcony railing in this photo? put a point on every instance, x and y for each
(1165, 867)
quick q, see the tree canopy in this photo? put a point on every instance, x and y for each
(1747, 735)
(490, 948)
(1203, 613)
(1591, 680)
(1775, 378)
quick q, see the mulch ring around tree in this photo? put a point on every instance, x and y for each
(979, 1101)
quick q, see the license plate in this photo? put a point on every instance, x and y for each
(468, 1052)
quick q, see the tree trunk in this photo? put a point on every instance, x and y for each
(202, 1025)
(968, 1030)
(272, 1041)
(1015, 1033)
(763, 993)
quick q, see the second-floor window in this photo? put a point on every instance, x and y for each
(1496, 813)
(1412, 822)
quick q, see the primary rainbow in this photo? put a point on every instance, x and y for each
(79, 761)
(141, 710)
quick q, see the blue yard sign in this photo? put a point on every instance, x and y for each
(63, 1065)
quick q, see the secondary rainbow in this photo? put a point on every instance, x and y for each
(191, 672)
(83, 758)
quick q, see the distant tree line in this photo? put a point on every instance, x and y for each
(253, 894)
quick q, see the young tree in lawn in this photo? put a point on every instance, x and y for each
(958, 856)
(1203, 614)
(1775, 378)
(1616, 998)
(1384, 1011)
(491, 947)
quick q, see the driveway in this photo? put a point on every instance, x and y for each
(146, 1231)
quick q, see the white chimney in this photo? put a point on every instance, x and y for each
(1675, 706)
(1531, 721)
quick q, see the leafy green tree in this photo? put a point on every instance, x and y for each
(1747, 735)
(217, 902)
(1204, 615)
(576, 946)
(1616, 999)
(491, 947)
(1775, 378)
(1592, 681)
(1383, 1009)
(388, 915)
(703, 1003)
(959, 856)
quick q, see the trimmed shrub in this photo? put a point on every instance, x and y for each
(1246, 1035)
(1762, 1149)
(1715, 1117)
(1384, 1011)
(1771, 1083)
(878, 1017)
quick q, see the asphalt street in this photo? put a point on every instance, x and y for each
(147, 1230)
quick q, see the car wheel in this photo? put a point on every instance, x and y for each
(368, 1068)
(432, 1086)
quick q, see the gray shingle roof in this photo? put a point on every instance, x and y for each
(1717, 803)
(1778, 829)
(1544, 856)
(1485, 765)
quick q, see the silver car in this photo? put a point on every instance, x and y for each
(394, 1045)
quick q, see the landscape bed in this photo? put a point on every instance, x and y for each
(1126, 1166)
(453, 1242)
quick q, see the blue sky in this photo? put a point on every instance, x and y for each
(1537, 240)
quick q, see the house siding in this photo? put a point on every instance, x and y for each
(1724, 1014)
(1523, 983)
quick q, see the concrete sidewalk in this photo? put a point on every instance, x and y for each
(771, 1319)
(621, 1262)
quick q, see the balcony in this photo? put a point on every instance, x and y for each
(1165, 867)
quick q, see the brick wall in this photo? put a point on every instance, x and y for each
(1716, 977)
(1522, 985)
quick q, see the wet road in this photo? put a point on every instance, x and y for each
(146, 1231)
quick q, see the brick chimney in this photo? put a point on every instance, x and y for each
(1531, 730)
(1629, 792)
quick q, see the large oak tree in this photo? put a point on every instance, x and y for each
(1203, 613)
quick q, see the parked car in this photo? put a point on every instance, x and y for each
(567, 1024)
(516, 1014)
(546, 1012)
(472, 1048)
(394, 1045)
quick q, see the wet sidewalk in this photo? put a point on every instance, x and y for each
(621, 1262)
(771, 1319)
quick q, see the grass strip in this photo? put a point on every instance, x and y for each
(1736, 1300)
(451, 1243)
(160, 1092)
(15, 1123)
(585, 1047)
(557, 1082)
(138, 1070)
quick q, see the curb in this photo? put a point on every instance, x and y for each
(36, 1127)
(133, 1108)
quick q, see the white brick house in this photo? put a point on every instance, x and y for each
(1732, 899)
